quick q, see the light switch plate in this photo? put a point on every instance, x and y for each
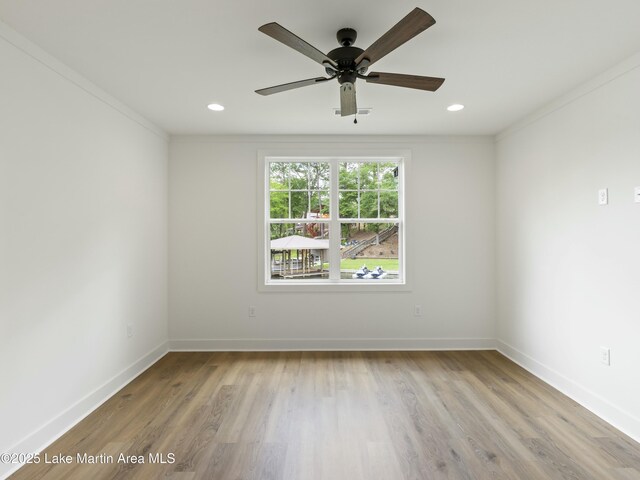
(603, 196)
(636, 194)
(605, 355)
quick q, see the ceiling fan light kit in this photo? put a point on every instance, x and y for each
(348, 63)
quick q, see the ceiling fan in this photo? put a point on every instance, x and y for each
(348, 63)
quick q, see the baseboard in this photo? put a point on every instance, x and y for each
(610, 413)
(48, 433)
(330, 344)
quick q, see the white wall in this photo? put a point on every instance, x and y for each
(213, 252)
(568, 273)
(83, 245)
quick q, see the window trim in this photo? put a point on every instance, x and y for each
(337, 156)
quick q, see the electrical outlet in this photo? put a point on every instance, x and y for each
(605, 355)
(252, 310)
(129, 330)
(417, 310)
(603, 196)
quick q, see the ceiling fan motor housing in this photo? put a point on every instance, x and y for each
(345, 57)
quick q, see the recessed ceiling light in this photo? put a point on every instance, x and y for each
(456, 107)
(215, 107)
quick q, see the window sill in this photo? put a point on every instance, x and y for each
(333, 287)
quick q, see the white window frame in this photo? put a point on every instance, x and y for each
(334, 283)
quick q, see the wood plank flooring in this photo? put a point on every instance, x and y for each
(341, 416)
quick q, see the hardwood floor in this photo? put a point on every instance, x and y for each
(341, 416)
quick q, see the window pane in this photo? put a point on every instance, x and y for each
(348, 204)
(299, 251)
(298, 173)
(348, 176)
(319, 205)
(278, 179)
(369, 252)
(368, 204)
(369, 176)
(279, 204)
(279, 230)
(388, 204)
(318, 175)
(324, 204)
(299, 204)
(388, 176)
(316, 231)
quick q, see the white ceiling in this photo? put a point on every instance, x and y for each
(167, 59)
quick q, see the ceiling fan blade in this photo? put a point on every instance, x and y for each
(408, 81)
(278, 32)
(348, 99)
(414, 23)
(290, 86)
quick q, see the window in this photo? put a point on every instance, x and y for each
(333, 220)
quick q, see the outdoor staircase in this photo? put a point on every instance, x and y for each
(351, 252)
